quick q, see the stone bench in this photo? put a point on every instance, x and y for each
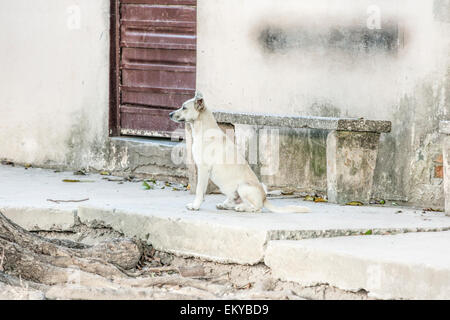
(444, 128)
(351, 151)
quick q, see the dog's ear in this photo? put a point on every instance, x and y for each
(199, 102)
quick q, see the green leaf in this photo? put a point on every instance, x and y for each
(368, 233)
(146, 186)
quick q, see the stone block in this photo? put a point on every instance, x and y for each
(351, 160)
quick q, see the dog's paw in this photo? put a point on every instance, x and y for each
(192, 207)
(221, 206)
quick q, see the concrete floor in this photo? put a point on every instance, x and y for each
(160, 217)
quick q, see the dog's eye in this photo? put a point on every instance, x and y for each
(184, 108)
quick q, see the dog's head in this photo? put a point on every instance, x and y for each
(190, 110)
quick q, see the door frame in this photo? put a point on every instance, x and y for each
(114, 70)
(114, 121)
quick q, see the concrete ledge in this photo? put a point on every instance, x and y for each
(410, 266)
(203, 239)
(147, 157)
(230, 237)
(340, 124)
(160, 217)
(35, 219)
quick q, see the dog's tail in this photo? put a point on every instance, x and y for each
(286, 209)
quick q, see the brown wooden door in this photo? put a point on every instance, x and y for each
(157, 63)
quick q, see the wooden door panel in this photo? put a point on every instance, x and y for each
(170, 99)
(141, 121)
(157, 63)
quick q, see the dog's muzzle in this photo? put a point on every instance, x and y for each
(174, 118)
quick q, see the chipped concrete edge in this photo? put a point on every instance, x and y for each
(230, 245)
(381, 279)
(186, 238)
(204, 240)
(41, 219)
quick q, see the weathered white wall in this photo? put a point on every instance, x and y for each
(54, 80)
(54, 68)
(239, 69)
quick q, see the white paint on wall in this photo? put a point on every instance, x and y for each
(309, 76)
(234, 72)
(54, 68)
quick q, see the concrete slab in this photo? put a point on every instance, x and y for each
(408, 266)
(341, 124)
(160, 215)
(38, 219)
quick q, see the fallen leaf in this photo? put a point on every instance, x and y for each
(75, 181)
(368, 233)
(105, 173)
(188, 187)
(432, 210)
(319, 199)
(309, 198)
(146, 186)
(354, 203)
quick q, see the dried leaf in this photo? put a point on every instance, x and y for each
(319, 199)
(309, 198)
(75, 181)
(354, 203)
(433, 210)
(105, 173)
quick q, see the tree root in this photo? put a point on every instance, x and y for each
(33, 267)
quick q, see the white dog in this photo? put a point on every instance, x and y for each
(216, 157)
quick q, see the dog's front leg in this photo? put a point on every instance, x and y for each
(202, 185)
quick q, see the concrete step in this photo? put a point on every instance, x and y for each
(407, 256)
(148, 157)
(159, 216)
(407, 266)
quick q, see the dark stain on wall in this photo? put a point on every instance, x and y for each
(348, 39)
